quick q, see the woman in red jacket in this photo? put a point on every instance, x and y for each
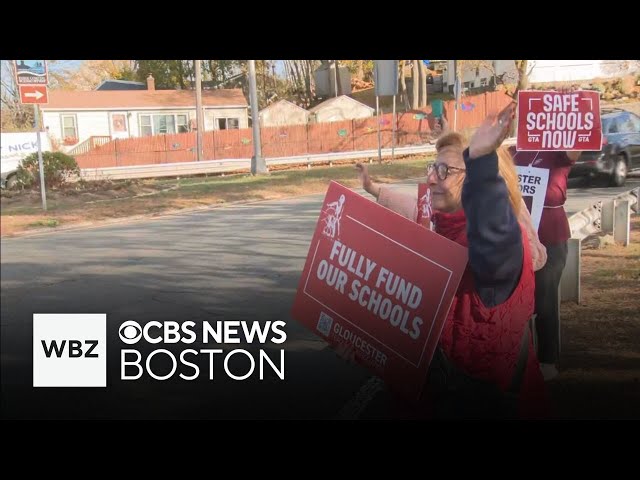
(485, 354)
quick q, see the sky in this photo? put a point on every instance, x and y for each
(73, 64)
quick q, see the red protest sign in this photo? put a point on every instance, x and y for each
(381, 284)
(559, 121)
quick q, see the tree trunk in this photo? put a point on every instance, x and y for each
(523, 83)
(296, 75)
(210, 63)
(403, 85)
(338, 82)
(287, 71)
(423, 84)
(415, 79)
(180, 71)
(523, 77)
(307, 79)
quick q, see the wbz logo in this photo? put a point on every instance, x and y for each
(74, 350)
(69, 350)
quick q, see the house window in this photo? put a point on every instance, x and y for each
(182, 121)
(483, 82)
(146, 130)
(228, 123)
(158, 124)
(69, 127)
(164, 124)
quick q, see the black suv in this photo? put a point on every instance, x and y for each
(620, 148)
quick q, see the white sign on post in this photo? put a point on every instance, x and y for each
(533, 186)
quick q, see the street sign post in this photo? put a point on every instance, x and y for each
(31, 72)
(32, 79)
(35, 94)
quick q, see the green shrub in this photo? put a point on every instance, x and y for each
(58, 167)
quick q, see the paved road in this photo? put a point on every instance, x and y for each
(240, 262)
(580, 197)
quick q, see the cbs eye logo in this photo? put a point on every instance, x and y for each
(130, 332)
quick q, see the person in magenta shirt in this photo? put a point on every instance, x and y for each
(553, 233)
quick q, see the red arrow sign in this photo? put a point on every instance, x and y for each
(34, 94)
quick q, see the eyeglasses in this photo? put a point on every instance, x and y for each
(442, 170)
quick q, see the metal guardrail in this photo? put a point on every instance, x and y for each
(591, 220)
(612, 216)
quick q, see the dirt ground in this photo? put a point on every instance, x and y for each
(600, 353)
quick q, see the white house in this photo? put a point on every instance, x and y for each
(480, 76)
(339, 108)
(283, 112)
(543, 71)
(72, 117)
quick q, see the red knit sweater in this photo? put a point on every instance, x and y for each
(485, 342)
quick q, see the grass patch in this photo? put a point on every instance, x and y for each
(125, 198)
(600, 354)
(51, 222)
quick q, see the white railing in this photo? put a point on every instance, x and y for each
(237, 164)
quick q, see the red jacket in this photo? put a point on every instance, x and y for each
(485, 342)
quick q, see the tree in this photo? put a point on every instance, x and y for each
(338, 79)
(15, 116)
(423, 84)
(523, 83)
(403, 85)
(92, 73)
(415, 99)
(168, 74)
(508, 77)
(418, 98)
(360, 69)
(523, 76)
(299, 75)
(221, 70)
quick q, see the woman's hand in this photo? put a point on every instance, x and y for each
(365, 178)
(491, 132)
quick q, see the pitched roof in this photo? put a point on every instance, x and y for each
(121, 85)
(109, 99)
(282, 102)
(340, 99)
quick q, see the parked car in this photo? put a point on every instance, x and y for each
(620, 149)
